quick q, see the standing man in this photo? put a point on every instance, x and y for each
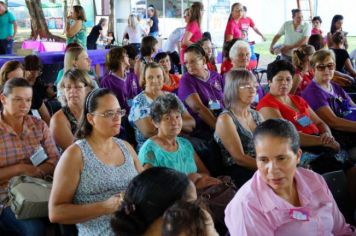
(296, 33)
(8, 29)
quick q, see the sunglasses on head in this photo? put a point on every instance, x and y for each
(321, 67)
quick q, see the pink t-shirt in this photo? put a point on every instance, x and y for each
(233, 28)
(245, 23)
(257, 210)
(192, 27)
(316, 31)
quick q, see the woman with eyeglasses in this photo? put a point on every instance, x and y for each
(192, 30)
(236, 124)
(75, 85)
(329, 101)
(93, 172)
(202, 91)
(232, 29)
(319, 145)
(303, 71)
(139, 117)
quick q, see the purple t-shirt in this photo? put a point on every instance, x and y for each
(318, 97)
(208, 91)
(125, 90)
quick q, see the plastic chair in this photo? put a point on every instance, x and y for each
(259, 72)
(337, 184)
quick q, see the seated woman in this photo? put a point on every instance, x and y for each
(139, 117)
(202, 91)
(76, 57)
(282, 199)
(149, 47)
(10, 70)
(21, 136)
(315, 135)
(329, 101)
(32, 73)
(171, 81)
(206, 44)
(166, 149)
(342, 57)
(236, 124)
(75, 85)
(119, 79)
(240, 55)
(303, 71)
(94, 170)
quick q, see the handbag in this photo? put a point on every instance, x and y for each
(28, 197)
(216, 198)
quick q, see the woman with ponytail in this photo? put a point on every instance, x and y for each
(232, 30)
(94, 171)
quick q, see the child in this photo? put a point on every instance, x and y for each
(316, 21)
(187, 219)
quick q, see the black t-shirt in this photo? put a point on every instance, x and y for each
(94, 34)
(39, 94)
(154, 27)
(341, 55)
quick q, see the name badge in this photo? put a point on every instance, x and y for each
(36, 113)
(38, 157)
(214, 105)
(297, 214)
(303, 120)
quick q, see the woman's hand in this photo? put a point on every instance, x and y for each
(333, 145)
(327, 138)
(29, 170)
(113, 203)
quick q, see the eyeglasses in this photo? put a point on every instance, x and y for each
(74, 87)
(321, 67)
(111, 114)
(249, 87)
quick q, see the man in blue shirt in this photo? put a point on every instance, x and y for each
(8, 29)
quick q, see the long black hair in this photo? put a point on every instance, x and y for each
(335, 19)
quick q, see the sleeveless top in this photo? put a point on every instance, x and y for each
(71, 118)
(79, 37)
(99, 182)
(246, 137)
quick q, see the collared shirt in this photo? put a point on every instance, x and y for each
(18, 148)
(257, 210)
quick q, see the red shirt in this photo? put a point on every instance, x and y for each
(174, 83)
(194, 28)
(245, 23)
(290, 114)
(306, 80)
(211, 66)
(233, 28)
(225, 66)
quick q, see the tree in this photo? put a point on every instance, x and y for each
(111, 17)
(39, 25)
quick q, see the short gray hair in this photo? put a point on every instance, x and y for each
(235, 48)
(233, 80)
(164, 104)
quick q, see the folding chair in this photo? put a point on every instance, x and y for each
(337, 184)
(259, 72)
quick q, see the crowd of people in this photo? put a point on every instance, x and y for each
(131, 152)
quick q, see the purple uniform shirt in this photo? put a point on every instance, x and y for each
(208, 91)
(124, 89)
(318, 98)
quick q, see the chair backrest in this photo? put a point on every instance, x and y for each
(257, 58)
(337, 184)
